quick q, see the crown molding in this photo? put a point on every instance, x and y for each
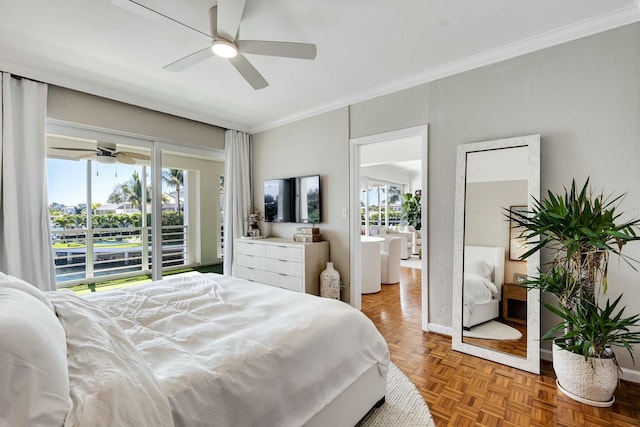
(584, 28)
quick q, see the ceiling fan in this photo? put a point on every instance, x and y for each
(106, 152)
(224, 20)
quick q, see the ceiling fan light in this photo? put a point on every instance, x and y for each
(224, 48)
(106, 159)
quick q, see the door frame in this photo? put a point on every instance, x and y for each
(355, 144)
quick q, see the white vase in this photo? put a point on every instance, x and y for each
(590, 381)
(330, 282)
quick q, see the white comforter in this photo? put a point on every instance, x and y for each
(228, 352)
(477, 290)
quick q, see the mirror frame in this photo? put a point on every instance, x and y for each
(532, 362)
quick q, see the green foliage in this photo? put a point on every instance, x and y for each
(580, 229)
(412, 209)
(575, 223)
(595, 330)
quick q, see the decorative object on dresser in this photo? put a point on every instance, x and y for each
(282, 262)
(330, 282)
(307, 235)
(253, 222)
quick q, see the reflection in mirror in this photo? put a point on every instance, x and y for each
(494, 316)
(308, 199)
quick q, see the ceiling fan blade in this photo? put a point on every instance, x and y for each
(89, 156)
(134, 155)
(124, 158)
(271, 48)
(248, 71)
(229, 16)
(88, 150)
(213, 21)
(189, 60)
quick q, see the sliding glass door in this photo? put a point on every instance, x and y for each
(102, 200)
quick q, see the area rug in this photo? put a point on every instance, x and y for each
(403, 407)
(493, 330)
(412, 262)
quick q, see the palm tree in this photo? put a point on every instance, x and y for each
(174, 178)
(130, 191)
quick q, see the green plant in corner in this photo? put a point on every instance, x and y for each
(412, 209)
(581, 230)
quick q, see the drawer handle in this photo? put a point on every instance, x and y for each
(283, 260)
(283, 247)
(282, 274)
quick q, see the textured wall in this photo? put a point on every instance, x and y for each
(318, 145)
(77, 107)
(582, 97)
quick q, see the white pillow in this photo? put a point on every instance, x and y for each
(480, 268)
(34, 379)
(7, 281)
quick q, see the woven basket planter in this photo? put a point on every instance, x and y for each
(590, 381)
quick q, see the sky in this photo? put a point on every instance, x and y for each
(67, 180)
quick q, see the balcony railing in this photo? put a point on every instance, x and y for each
(86, 256)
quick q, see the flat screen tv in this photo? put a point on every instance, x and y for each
(293, 199)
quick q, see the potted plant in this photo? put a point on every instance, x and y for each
(412, 209)
(580, 230)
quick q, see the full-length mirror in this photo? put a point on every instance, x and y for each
(494, 317)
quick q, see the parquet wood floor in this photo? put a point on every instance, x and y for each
(463, 390)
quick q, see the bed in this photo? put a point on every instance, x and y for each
(483, 280)
(188, 351)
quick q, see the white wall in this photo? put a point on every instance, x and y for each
(203, 202)
(582, 97)
(387, 173)
(485, 221)
(77, 107)
(318, 145)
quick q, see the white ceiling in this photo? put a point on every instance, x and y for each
(366, 48)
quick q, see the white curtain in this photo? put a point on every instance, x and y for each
(25, 239)
(237, 191)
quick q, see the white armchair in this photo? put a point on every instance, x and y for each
(390, 260)
(406, 246)
(416, 239)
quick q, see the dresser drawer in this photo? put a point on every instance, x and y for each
(256, 262)
(283, 267)
(286, 253)
(248, 273)
(250, 248)
(282, 281)
(270, 278)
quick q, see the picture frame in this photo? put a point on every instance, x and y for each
(517, 245)
(519, 278)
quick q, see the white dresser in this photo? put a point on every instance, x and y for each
(282, 262)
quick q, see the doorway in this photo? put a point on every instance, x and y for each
(375, 143)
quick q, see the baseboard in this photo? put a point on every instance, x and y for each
(631, 375)
(439, 329)
(546, 355)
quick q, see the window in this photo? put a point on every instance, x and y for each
(101, 207)
(381, 203)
